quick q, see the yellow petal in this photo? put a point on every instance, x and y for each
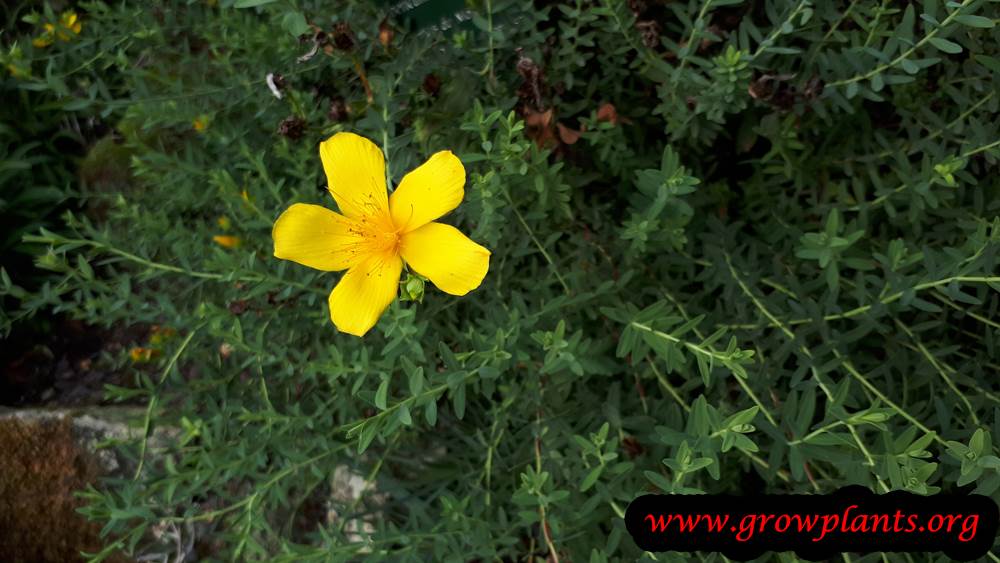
(43, 41)
(355, 175)
(442, 254)
(314, 236)
(428, 192)
(364, 293)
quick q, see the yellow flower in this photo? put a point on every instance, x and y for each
(68, 22)
(68, 26)
(160, 334)
(140, 355)
(200, 123)
(374, 233)
(227, 241)
(224, 222)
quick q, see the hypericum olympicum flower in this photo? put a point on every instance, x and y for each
(374, 233)
(68, 26)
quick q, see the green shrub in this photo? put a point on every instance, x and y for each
(43, 130)
(736, 247)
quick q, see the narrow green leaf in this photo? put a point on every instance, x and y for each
(431, 413)
(251, 3)
(975, 21)
(367, 435)
(946, 46)
(591, 478)
(381, 394)
(404, 415)
(416, 381)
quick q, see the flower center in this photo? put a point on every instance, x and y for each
(385, 241)
(377, 235)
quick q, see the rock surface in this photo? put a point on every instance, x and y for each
(46, 457)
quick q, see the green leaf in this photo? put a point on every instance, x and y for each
(946, 46)
(416, 381)
(743, 417)
(704, 368)
(404, 415)
(991, 63)
(659, 481)
(251, 3)
(295, 23)
(368, 434)
(909, 66)
(920, 444)
(905, 29)
(975, 21)
(978, 442)
(430, 412)
(591, 478)
(381, 394)
(458, 398)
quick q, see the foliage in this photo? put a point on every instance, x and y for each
(737, 246)
(43, 127)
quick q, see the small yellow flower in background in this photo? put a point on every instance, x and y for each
(160, 334)
(13, 61)
(227, 241)
(69, 22)
(140, 355)
(68, 26)
(374, 233)
(200, 123)
(224, 222)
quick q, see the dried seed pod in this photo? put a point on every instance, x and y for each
(343, 37)
(432, 85)
(649, 30)
(813, 88)
(385, 33)
(531, 88)
(338, 110)
(238, 307)
(637, 7)
(762, 88)
(292, 127)
(526, 67)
